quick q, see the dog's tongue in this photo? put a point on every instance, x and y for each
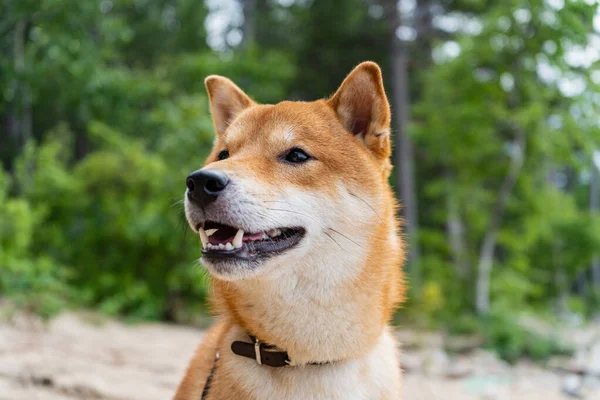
(222, 233)
(214, 239)
(252, 236)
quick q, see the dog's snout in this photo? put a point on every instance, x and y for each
(205, 185)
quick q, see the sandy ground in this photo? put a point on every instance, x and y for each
(84, 357)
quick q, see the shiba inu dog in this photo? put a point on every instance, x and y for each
(300, 236)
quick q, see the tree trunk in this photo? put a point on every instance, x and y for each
(422, 50)
(8, 140)
(594, 202)
(248, 28)
(18, 54)
(19, 43)
(560, 281)
(405, 152)
(488, 247)
(404, 155)
(456, 235)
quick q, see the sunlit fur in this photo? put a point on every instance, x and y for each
(329, 298)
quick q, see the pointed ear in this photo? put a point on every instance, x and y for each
(227, 101)
(363, 109)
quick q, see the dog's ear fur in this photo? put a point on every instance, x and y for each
(363, 109)
(227, 101)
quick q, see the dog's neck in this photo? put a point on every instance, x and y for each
(329, 307)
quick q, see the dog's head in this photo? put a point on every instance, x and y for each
(293, 181)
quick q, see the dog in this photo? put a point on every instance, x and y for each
(301, 239)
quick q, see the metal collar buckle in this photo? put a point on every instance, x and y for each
(260, 346)
(257, 347)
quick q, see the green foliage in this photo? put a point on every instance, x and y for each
(35, 282)
(91, 212)
(90, 209)
(247, 69)
(502, 332)
(474, 103)
(327, 51)
(104, 226)
(511, 341)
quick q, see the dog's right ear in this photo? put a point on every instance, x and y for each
(363, 109)
(227, 101)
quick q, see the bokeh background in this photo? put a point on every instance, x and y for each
(496, 108)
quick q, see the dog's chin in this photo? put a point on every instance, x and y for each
(232, 268)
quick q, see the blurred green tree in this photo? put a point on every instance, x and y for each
(103, 113)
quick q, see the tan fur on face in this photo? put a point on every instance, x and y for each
(331, 297)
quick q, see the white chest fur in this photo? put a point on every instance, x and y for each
(374, 376)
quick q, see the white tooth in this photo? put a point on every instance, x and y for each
(274, 232)
(228, 246)
(237, 240)
(203, 237)
(264, 236)
(221, 246)
(209, 232)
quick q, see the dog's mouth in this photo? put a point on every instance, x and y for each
(223, 241)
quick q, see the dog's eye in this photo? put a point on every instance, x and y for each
(297, 156)
(223, 155)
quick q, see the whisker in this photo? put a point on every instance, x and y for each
(177, 203)
(249, 202)
(267, 217)
(331, 237)
(341, 234)
(182, 226)
(364, 201)
(322, 227)
(265, 193)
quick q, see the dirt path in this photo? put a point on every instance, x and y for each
(73, 357)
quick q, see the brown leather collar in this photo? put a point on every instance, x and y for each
(264, 354)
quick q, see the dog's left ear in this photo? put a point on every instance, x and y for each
(227, 101)
(363, 108)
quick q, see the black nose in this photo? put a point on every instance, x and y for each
(205, 185)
